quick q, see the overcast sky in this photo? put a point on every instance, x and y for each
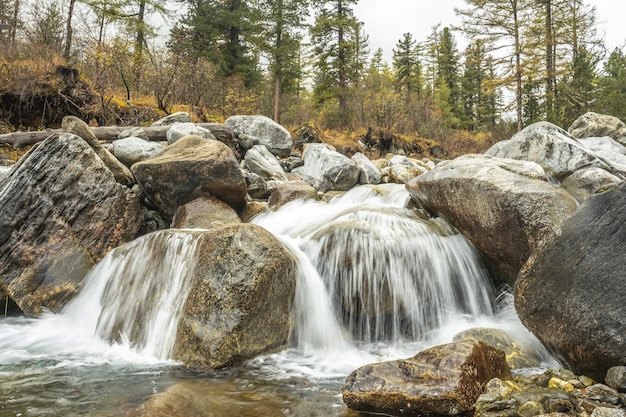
(387, 20)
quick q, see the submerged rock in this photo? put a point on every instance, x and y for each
(443, 381)
(505, 207)
(571, 295)
(190, 168)
(61, 211)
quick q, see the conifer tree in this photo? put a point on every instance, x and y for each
(338, 47)
(407, 67)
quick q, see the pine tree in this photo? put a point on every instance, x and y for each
(338, 48)
(611, 96)
(478, 93)
(407, 67)
(500, 23)
(578, 90)
(283, 21)
(222, 31)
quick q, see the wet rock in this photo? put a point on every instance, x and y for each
(616, 378)
(368, 173)
(61, 210)
(597, 125)
(290, 191)
(516, 357)
(74, 125)
(552, 148)
(261, 130)
(262, 162)
(505, 207)
(445, 380)
(583, 269)
(328, 170)
(204, 213)
(254, 208)
(180, 130)
(170, 119)
(190, 168)
(132, 149)
(226, 399)
(240, 301)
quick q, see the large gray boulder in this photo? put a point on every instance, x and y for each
(571, 295)
(61, 210)
(262, 162)
(505, 207)
(442, 381)
(328, 170)
(261, 130)
(190, 168)
(596, 125)
(552, 148)
(240, 301)
(132, 149)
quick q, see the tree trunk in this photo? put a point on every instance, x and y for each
(518, 68)
(140, 41)
(108, 134)
(68, 31)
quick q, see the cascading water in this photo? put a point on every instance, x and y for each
(376, 281)
(391, 273)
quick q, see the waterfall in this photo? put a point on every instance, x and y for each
(379, 270)
(135, 295)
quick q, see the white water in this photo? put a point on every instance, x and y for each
(376, 281)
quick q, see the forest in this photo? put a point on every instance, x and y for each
(306, 62)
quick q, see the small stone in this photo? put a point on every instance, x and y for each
(608, 412)
(558, 383)
(530, 409)
(602, 394)
(616, 378)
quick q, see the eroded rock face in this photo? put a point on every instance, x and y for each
(190, 168)
(240, 301)
(261, 130)
(596, 125)
(61, 210)
(443, 381)
(571, 295)
(506, 208)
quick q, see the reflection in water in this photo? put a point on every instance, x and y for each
(377, 281)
